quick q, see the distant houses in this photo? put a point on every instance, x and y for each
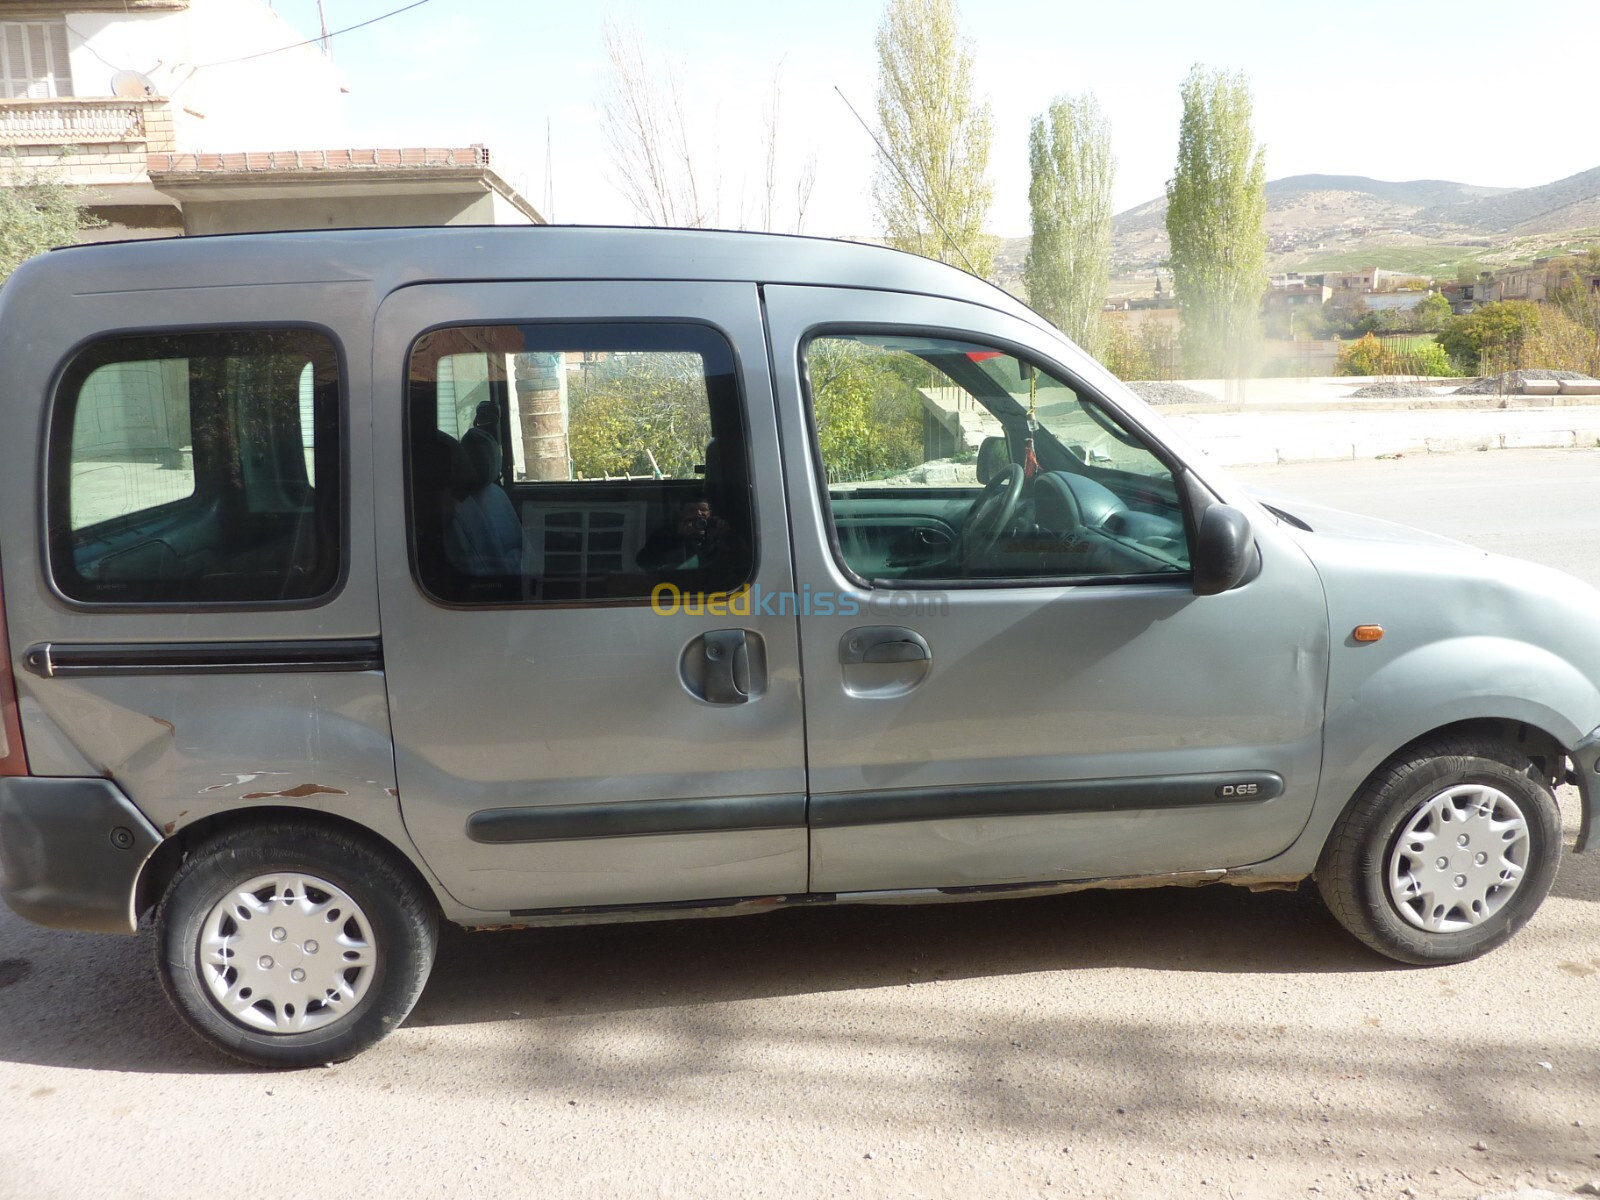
(1539, 281)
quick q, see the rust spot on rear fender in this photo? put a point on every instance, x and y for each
(298, 792)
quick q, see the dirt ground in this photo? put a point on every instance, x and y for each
(1158, 1044)
(1129, 1044)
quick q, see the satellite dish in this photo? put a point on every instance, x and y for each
(132, 85)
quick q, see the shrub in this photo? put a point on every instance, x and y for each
(1149, 353)
(1427, 358)
(1563, 343)
(1407, 356)
(1364, 356)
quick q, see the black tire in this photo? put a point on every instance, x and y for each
(1354, 872)
(394, 922)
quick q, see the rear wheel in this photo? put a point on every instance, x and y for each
(1447, 852)
(288, 945)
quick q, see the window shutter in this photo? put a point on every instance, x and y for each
(38, 77)
(60, 63)
(33, 60)
(14, 60)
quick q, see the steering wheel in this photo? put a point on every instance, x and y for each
(991, 513)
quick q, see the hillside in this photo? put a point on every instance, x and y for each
(1311, 218)
(1570, 203)
(1414, 193)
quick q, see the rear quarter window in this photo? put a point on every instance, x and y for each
(198, 467)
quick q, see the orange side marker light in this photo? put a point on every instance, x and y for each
(1368, 633)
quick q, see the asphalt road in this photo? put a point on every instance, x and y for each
(1162, 1044)
(1542, 505)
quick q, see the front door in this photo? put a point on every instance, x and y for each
(1008, 676)
(577, 498)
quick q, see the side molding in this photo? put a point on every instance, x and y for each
(635, 818)
(842, 809)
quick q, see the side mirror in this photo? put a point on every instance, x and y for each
(1224, 550)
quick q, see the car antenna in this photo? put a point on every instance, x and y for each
(883, 150)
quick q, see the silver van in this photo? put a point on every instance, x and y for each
(356, 580)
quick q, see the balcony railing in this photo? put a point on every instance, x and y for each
(84, 121)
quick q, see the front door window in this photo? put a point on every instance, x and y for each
(951, 461)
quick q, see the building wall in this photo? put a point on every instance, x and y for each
(293, 98)
(238, 216)
(498, 211)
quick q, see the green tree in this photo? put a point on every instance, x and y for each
(1216, 222)
(1346, 312)
(1431, 313)
(935, 135)
(1490, 339)
(639, 414)
(868, 408)
(37, 212)
(1069, 196)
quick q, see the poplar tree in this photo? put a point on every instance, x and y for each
(933, 172)
(1216, 222)
(1069, 195)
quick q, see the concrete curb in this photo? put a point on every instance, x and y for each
(1269, 437)
(1411, 404)
(1332, 394)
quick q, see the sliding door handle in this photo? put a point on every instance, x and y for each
(724, 666)
(727, 676)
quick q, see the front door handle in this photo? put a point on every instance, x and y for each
(882, 662)
(883, 644)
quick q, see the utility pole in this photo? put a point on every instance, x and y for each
(322, 17)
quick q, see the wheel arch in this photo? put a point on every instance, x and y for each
(1543, 749)
(1341, 788)
(1524, 738)
(169, 856)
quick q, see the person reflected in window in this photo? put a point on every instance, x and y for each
(695, 539)
(482, 440)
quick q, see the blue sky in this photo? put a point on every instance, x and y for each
(1471, 90)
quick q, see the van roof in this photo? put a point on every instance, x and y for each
(396, 257)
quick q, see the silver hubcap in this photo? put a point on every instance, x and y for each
(287, 953)
(1459, 859)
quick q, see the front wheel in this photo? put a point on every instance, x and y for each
(1447, 852)
(286, 945)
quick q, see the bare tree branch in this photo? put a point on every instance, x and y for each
(807, 180)
(646, 125)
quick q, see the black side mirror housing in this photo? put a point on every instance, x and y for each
(1224, 550)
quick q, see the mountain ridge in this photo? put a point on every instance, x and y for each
(1320, 212)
